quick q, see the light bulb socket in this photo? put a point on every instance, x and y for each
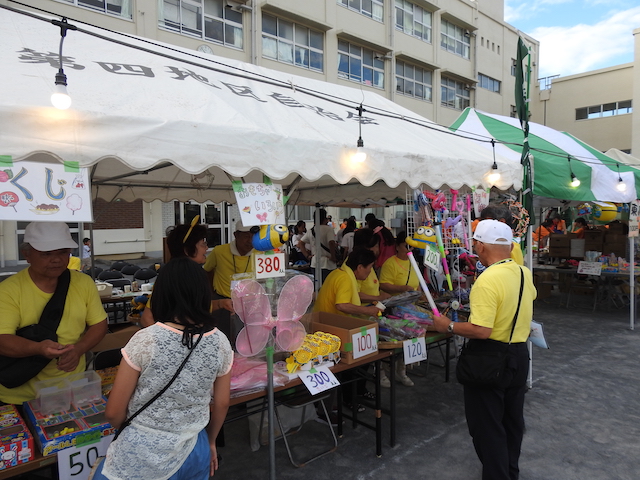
(494, 166)
(61, 78)
(360, 143)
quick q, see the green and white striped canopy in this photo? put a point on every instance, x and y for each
(551, 149)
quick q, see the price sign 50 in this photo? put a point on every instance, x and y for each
(268, 266)
(364, 343)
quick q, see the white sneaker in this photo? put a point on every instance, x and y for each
(405, 380)
(384, 382)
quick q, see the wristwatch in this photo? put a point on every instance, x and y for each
(450, 327)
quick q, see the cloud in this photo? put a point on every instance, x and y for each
(577, 49)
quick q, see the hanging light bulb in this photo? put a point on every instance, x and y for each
(60, 97)
(360, 155)
(493, 175)
(621, 186)
(575, 182)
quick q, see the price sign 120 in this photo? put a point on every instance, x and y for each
(318, 379)
(364, 342)
(415, 350)
(268, 266)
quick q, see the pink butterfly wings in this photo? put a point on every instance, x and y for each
(252, 305)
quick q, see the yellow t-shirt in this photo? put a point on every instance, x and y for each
(21, 304)
(398, 272)
(516, 254)
(74, 263)
(337, 288)
(370, 285)
(494, 299)
(226, 264)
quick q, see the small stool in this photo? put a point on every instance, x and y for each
(303, 401)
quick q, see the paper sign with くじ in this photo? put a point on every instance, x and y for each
(259, 203)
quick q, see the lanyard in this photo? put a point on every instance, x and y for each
(246, 266)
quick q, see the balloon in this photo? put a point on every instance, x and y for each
(605, 212)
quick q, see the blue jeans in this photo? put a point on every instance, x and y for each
(195, 467)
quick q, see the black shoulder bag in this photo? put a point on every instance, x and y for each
(18, 371)
(482, 363)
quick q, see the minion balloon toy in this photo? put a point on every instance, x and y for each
(422, 236)
(270, 237)
(605, 212)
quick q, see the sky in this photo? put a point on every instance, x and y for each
(577, 36)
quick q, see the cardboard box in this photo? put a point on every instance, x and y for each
(577, 248)
(346, 327)
(16, 442)
(593, 240)
(118, 338)
(560, 240)
(618, 249)
(560, 252)
(615, 238)
(68, 428)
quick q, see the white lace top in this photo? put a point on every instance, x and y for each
(158, 441)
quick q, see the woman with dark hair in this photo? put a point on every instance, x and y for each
(579, 226)
(346, 242)
(339, 292)
(369, 288)
(387, 243)
(190, 241)
(174, 437)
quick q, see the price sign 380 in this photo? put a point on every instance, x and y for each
(268, 266)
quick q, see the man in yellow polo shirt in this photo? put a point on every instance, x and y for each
(222, 263)
(23, 297)
(495, 415)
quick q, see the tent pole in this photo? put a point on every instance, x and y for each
(316, 238)
(632, 286)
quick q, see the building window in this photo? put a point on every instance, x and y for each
(488, 83)
(454, 94)
(606, 110)
(514, 66)
(360, 64)
(513, 112)
(120, 8)
(413, 20)
(455, 39)
(212, 21)
(289, 42)
(413, 81)
(370, 8)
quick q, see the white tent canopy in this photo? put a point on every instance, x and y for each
(157, 122)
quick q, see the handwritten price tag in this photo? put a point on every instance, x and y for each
(318, 379)
(415, 350)
(268, 266)
(364, 343)
(432, 256)
(590, 268)
(76, 462)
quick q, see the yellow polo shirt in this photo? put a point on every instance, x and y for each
(398, 272)
(226, 264)
(494, 299)
(337, 288)
(370, 285)
(21, 304)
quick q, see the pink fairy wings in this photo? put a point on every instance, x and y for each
(251, 304)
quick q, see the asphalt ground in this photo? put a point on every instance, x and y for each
(582, 415)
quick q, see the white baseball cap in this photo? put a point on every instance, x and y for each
(493, 232)
(241, 228)
(48, 236)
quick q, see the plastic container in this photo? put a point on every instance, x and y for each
(53, 395)
(85, 388)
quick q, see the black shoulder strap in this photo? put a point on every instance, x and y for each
(515, 317)
(52, 313)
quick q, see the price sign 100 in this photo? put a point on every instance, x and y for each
(364, 343)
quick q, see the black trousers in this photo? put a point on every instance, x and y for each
(496, 420)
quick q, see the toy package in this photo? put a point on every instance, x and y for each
(68, 428)
(16, 442)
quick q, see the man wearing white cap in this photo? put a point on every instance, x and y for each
(495, 414)
(222, 263)
(81, 320)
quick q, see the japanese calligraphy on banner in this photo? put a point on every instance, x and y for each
(259, 203)
(480, 200)
(634, 218)
(34, 191)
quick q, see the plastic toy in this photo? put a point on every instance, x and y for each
(270, 237)
(251, 304)
(445, 264)
(421, 237)
(605, 212)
